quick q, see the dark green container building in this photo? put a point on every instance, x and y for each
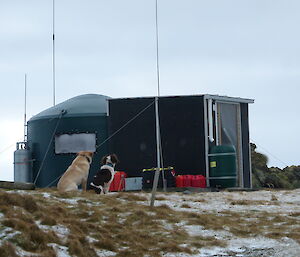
(56, 134)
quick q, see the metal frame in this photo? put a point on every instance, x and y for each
(240, 132)
(250, 158)
(215, 109)
(227, 100)
(205, 102)
(206, 96)
(240, 140)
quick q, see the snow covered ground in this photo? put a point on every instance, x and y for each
(279, 209)
(282, 202)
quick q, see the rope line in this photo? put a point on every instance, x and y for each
(116, 132)
(7, 148)
(128, 122)
(54, 181)
(275, 157)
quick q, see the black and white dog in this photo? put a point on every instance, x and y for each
(101, 181)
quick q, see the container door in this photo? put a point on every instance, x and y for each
(228, 131)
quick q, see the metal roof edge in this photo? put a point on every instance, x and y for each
(207, 96)
(229, 99)
(67, 116)
(148, 97)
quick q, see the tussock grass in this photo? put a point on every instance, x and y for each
(131, 197)
(185, 205)
(240, 202)
(122, 224)
(200, 241)
(7, 250)
(200, 200)
(105, 243)
(78, 246)
(295, 234)
(253, 202)
(26, 202)
(160, 198)
(35, 240)
(295, 214)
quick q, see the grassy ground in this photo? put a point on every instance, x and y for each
(40, 222)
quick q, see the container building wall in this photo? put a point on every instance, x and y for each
(182, 133)
(40, 133)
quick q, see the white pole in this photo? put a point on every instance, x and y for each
(158, 139)
(156, 176)
(53, 50)
(25, 107)
(210, 121)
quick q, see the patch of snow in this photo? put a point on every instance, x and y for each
(91, 239)
(22, 253)
(195, 230)
(21, 192)
(8, 233)
(104, 253)
(72, 201)
(60, 230)
(221, 201)
(61, 251)
(46, 195)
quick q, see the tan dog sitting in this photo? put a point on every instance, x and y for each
(76, 174)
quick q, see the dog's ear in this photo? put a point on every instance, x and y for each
(114, 158)
(103, 160)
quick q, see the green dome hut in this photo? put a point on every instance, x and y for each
(56, 134)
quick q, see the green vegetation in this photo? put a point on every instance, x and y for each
(288, 178)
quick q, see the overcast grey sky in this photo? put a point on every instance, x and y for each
(242, 48)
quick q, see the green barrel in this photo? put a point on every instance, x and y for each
(222, 166)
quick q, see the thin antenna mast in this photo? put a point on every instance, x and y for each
(158, 149)
(25, 109)
(53, 50)
(157, 52)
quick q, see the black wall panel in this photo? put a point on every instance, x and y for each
(182, 133)
(135, 144)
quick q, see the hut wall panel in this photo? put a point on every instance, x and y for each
(182, 133)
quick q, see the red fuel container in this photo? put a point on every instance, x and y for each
(195, 181)
(179, 181)
(187, 182)
(199, 181)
